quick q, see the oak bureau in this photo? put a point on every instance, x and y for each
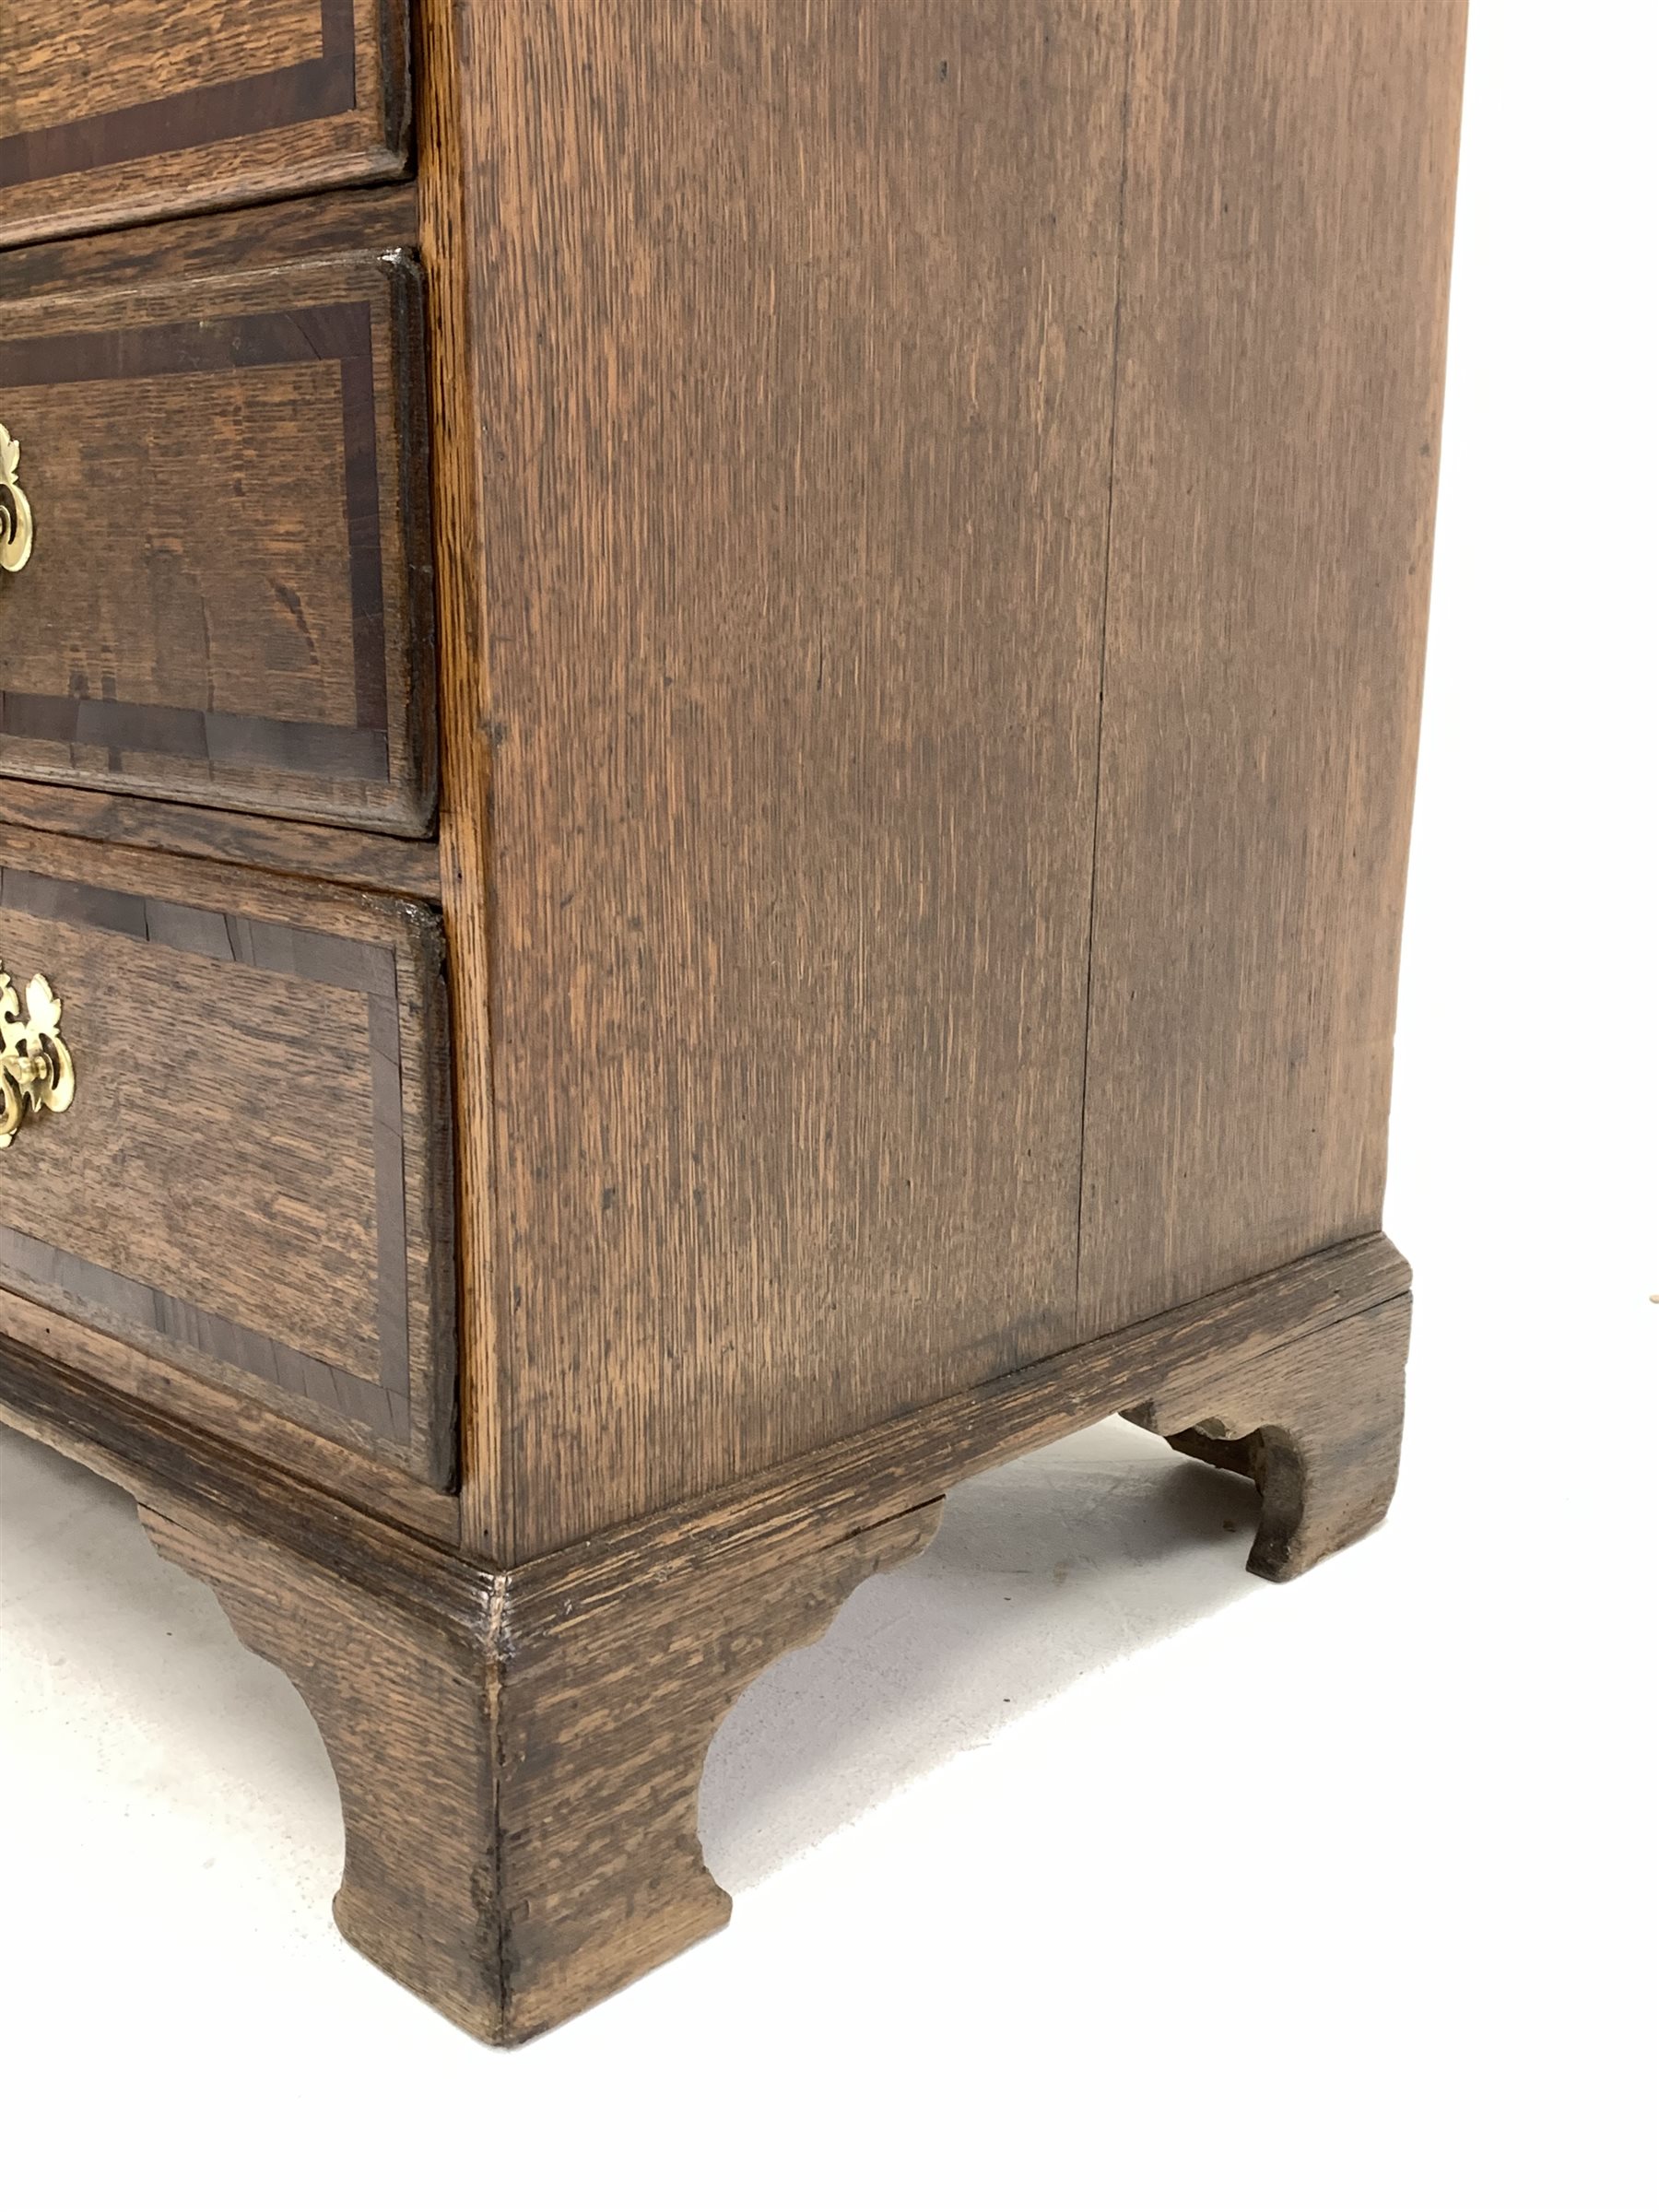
(707, 717)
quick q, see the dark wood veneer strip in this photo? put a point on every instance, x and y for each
(305, 91)
(143, 1307)
(279, 949)
(334, 331)
(299, 748)
(392, 1270)
(363, 541)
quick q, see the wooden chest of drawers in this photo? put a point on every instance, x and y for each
(706, 730)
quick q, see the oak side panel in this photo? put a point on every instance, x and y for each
(1287, 236)
(462, 529)
(792, 332)
(134, 108)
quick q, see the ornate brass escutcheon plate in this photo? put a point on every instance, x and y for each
(36, 1076)
(16, 517)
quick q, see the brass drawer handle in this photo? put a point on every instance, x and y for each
(37, 1075)
(16, 517)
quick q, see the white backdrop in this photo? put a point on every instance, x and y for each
(1337, 1897)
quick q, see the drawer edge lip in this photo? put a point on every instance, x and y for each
(119, 1438)
(377, 215)
(413, 824)
(370, 860)
(131, 210)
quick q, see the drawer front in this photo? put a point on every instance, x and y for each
(130, 108)
(228, 594)
(242, 1216)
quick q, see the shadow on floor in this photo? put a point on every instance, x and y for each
(1044, 1571)
(133, 1661)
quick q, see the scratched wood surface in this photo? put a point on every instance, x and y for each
(135, 109)
(251, 1184)
(229, 598)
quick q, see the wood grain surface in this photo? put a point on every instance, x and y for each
(789, 333)
(369, 220)
(251, 1185)
(932, 508)
(405, 867)
(1288, 228)
(932, 674)
(231, 595)
(519, 1751)
(138, 108)
(463, 531)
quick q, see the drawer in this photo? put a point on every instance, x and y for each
(130, 108)
(242, 1218)
(228, 597)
